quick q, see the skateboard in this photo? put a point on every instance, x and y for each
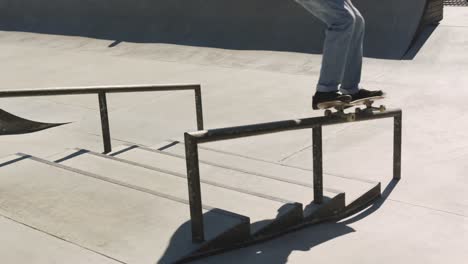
(340, 106)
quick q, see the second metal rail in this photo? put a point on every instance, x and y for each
(101, 91)
(192, 139)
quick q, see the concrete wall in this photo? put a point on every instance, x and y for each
(280, 25)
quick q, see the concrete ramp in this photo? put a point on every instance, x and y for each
(279, 25)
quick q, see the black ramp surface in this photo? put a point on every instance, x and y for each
(280, 25)
(13, 125)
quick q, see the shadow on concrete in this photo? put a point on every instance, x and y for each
(13, 160)
(277, 251)
(283, 210)
(216, 221)
(115, 43)
(180, 238)
(375, 206)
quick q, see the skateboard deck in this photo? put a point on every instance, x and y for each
(343, 105)
(366, 101)
(332, 104)
(340, 106)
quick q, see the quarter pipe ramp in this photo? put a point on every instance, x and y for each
(280, 25)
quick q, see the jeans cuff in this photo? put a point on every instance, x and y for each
(327, 88)
(349, 90)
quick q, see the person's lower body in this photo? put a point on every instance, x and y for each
(342, 49)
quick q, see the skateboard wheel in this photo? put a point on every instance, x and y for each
(328, 112)
(351, 117)
(382, 108)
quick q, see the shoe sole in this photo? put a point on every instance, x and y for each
(363, 100)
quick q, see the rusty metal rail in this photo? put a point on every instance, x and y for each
(101, 91)
(192, 139)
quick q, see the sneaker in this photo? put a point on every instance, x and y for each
(329, 97)
(363, 94)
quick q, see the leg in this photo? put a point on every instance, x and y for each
(340, 19)
(352, 73)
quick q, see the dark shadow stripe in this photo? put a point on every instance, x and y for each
(75, 154)
(123, 150)
(169, 145)
(14, 160)
(115, 43)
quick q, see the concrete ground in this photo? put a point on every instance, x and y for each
(422, 219)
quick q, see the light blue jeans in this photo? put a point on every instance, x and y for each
(343, 46)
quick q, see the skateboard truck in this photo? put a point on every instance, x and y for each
(341, 113)
(369, 108)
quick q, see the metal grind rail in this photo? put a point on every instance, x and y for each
(192, 139)
(101, 91)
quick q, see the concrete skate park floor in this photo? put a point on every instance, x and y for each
(422, 219)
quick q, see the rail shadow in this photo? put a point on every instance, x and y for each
(278, 250)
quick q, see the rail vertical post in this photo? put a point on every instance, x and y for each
(105, 122)
(194, 190)
(397, 134)
(199, 109)
(318, 164)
